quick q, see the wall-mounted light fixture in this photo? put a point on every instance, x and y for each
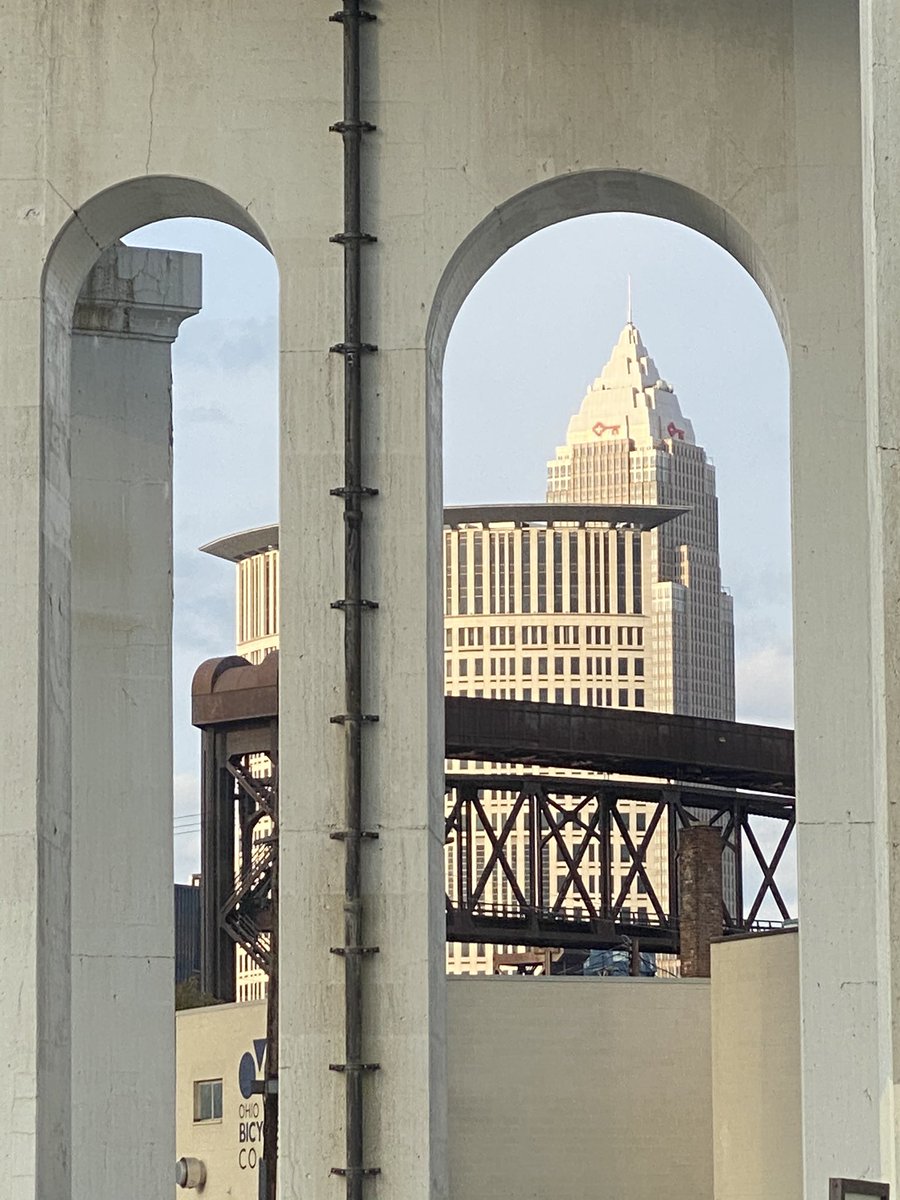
(190, 1173)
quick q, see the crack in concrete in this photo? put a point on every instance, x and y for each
(73, 210)
(155, 61)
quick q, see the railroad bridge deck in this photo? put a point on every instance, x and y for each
(522, 779)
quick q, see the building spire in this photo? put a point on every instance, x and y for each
(629, 321)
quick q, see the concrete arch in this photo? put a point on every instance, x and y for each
(580, 194)
(109, 315)
(123, 207)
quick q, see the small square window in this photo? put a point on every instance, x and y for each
(208, 1100)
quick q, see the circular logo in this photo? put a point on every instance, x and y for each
(247, 1075)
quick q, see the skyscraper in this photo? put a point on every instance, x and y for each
(629, 443)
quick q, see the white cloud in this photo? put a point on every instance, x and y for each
(765, 686)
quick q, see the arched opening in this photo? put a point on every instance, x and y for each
(505, 442)
(110, 314)
(225, 462)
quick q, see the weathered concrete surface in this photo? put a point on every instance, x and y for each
(122, 940)
(742, 121)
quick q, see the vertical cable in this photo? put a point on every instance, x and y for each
(353, 493)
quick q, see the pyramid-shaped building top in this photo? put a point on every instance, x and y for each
(630, 400)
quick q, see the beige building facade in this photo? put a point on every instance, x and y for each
(566, 1087)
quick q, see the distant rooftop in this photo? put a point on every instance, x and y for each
(637, 516)
(235, 546)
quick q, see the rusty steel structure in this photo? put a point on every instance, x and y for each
(561, 908)
(682, 770)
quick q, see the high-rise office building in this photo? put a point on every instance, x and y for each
(609, 594)
(629, 443)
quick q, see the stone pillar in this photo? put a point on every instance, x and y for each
(876, 881)
(123, 1053)
(844, 987)
(699, 896)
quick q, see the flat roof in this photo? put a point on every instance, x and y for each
(247, 542)
(235, 546)
(643, 516)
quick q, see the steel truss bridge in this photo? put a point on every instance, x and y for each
(526, 784)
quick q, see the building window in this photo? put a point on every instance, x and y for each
(559, 666)
(208, 1100)
(542, 695)
(638, 697)
(623, 697)
(560, 696)
(576, 695)
(526, 666)
(542, 570)
(542, 666)
(463, 667)
(639, 667)
(479, 574)
(463, 574)
(573, 571)
(557, 573)
(575, 666)
(623, 666)
(526, 571)
(636, 583)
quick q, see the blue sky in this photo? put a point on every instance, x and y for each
(532, 335)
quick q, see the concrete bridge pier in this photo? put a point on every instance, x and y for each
(122, 955)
